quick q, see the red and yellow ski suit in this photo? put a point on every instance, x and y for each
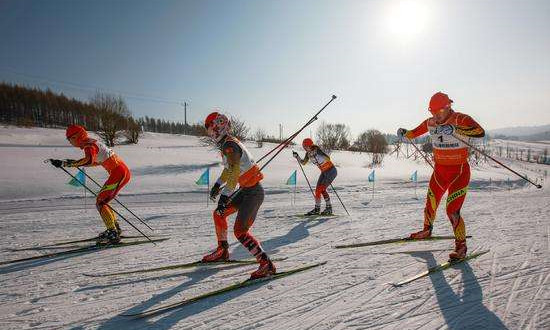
(97, 153)
(452, 171)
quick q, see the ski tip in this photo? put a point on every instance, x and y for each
(333, 96)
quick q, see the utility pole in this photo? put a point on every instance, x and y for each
(280, 132)
(185, 113)
(185, 118)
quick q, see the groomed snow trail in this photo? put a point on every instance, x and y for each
(506, 288)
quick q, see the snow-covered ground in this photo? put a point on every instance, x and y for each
(506, 288)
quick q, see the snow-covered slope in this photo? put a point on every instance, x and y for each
(506, 288)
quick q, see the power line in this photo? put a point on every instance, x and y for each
(88, 88)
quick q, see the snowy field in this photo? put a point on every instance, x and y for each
(509, 287)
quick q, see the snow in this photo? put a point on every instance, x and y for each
(506, 288)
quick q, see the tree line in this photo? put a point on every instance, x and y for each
(110, 116)
(106, 114)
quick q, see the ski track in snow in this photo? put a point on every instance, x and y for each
(505, 288)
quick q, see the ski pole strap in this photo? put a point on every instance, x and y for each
(496, 161)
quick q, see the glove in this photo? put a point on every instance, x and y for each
(401, 132)
(445, 129)
(56, 162)
(222, 204)
(215, 190)
(295, 154)
(68, 162)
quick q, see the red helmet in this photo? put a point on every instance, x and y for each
(76, 130)
(307, 143)
(217, 125)
(439, 101)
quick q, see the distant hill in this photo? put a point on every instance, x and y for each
(522, 133)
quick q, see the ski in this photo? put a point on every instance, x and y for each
(233, 287)
(59, 245)
(440, 267)
(395, 240)
(82, 249)
(315, 216)
(182, 266)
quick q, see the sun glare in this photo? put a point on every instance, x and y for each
(407, 19)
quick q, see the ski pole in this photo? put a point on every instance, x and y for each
(285, 143)
(421, 153)
(120, 203)
(120, 215)
(345, 209)
(496, 161)
(305, 176)
(290, 138)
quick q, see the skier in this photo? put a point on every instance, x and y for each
(451, 171)
(239, 168)
(328, 174)
(96, 153)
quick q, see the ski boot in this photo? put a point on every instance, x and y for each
(460, 251)
(110, 236)
(266, 269)
(220, 254)
(423, 234)
(315, 211)
(102, 236)
(327, 211)
(118, 230)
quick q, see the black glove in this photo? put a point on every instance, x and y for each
(56, 162)
(295, 154)
(401, 132)
(222, 204)
(215, 190)
(68, 162)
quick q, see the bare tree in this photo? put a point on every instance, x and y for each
(113, 116)
(259, 136)
(133, 131)
(372, 141)
(333, 136)
(239, 128)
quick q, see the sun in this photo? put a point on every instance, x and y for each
(407, 19)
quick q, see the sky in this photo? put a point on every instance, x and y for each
(278, 62)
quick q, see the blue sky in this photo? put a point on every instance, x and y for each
(272, 62)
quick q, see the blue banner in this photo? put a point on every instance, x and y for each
(292, 179)
(414, 176)
(204, 180)
(371, 176)
(78, 180)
